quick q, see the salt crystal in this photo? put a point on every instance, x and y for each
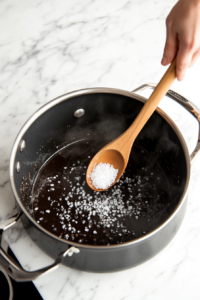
(103, 176)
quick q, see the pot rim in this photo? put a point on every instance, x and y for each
(68, 96)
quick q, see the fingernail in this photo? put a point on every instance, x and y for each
(164, 61)
(181, 76)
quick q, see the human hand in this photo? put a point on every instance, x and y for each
(183, 36)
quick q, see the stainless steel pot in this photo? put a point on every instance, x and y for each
(46, 131)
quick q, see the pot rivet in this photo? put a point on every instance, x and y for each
(79, 113)
(72, 250)
(22, 145)
(18, 166)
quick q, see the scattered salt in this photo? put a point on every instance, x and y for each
(103, 176)
(97, 212)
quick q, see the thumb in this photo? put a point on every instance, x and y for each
(170, 50)
(184, 59)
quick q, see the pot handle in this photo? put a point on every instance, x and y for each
(13, 268)
(191, 107)
(11, 293)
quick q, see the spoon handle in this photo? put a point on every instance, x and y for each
(150, 106)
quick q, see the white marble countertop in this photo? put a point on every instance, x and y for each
(48, 48)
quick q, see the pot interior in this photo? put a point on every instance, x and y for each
(107, 115)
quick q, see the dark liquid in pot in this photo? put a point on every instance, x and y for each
(64, 205)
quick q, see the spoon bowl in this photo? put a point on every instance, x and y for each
(117, 152)
(110, 156)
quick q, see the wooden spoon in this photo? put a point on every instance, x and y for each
(117, 152)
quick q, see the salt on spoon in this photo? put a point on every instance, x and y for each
(103, 176)
(117, 152)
